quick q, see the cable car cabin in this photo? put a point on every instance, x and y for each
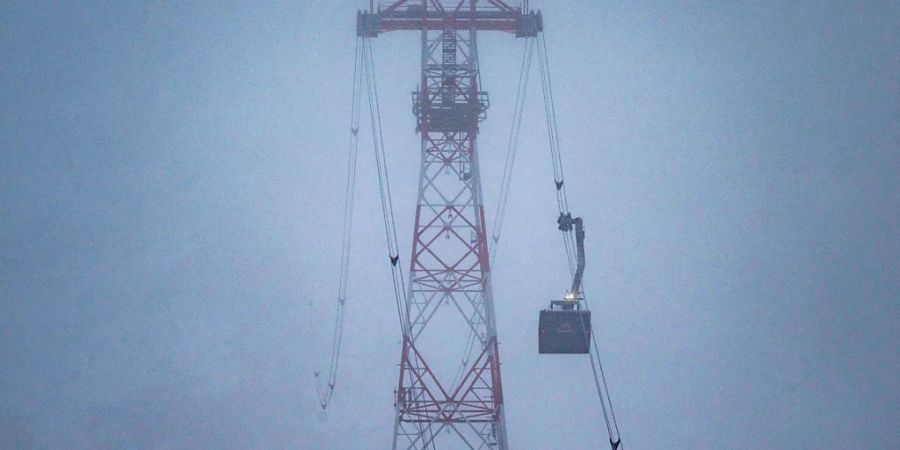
(564, 328)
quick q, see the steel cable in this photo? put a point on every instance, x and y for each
(511, 151)
(553, 136)
(384, 184)
(326, 394)
(512, 146)
(609, 417)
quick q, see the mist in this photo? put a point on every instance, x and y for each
(171, 202)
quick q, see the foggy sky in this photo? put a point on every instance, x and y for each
(171, 188)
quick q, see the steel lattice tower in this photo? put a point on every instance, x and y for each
(449, 274)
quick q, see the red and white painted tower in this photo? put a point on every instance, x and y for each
(449, 292)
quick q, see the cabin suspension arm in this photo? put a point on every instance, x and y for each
(566, 224)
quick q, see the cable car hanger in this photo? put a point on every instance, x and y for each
(576, 334)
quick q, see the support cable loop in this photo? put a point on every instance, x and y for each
(512, 145)
(325, 395)
(511, 151)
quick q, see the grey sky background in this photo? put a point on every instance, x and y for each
(171, 185)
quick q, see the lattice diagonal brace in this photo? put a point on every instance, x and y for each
(449, 288)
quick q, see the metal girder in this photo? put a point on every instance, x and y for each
(449, 297)
(449, 292)
(487, 15)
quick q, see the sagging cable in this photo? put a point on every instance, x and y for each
(325, 394)
(384, 184)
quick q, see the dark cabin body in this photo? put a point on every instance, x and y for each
(566, 330)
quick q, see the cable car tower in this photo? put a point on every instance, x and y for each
(445, 301)
(450, 264)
